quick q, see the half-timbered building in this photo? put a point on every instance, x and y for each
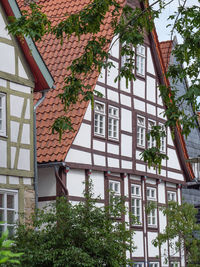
(22, 71)
(106, 143)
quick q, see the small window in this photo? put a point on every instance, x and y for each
(138, 265)
(114, 194)
(154, 264)
(136, 203)
(99, 119)
(151, 199)
(8, 210)
(141, 131)
(151, 141)
(171, 196)
(2, 114)
(162, 140)
(174, 264)
(113, 122)
(140, 59)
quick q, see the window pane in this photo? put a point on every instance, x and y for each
(2, 216)
(1, 200)
(10, 201)
(10, 216)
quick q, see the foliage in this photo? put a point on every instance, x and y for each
(6, 255)
(129, 26)
(75, 235)
(182, 224)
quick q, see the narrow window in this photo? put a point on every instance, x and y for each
(2, 114)
(151, 141)
(138, 265)
(174, 264)
(113, 122)
(140, 60)
(8, 210)
(171, 196)
(99, 119)
(151, 200)
(136, 203)
(153, 264)
(140, 131)
(162, 139)
(114, 196)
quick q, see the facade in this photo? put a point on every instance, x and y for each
(107, 140)
(17, 83)
(191, 193)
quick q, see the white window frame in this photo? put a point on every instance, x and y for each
(136, 203)
(138, 264)
(113, 122)
(3, 114)
(152, 216)
(140, 60)
(141, 132)
(5, 192)
(114, 192)
(99, 118)
(171, 196)
(162, 140)
(151, 142)
(154, 264)
(175, 264)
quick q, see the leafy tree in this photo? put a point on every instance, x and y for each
(129, 26)
(75, 235)
(182, 232)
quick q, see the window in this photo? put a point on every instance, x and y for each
(163, 139)
(151, 141)
(140, 59)
(8, 210)
(114, 196)
(151, 199)
(113, 122)
(136, 203)
(153, 264)
(99, 119)
(138, 265)
(140, 131)
(174, 264)
(171, 196)
(2, 114)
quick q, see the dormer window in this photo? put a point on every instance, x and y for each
(99, 119)
(2, 114)
(140, 60)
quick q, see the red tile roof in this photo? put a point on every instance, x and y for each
(58, 57)
(166, 48)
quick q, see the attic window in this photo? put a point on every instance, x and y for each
(140, 60)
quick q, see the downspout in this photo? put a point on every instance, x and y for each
(35, 147)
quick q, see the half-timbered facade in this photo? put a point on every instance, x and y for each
(107, 140)
(17, 83)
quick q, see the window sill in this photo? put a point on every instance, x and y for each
(3, 136)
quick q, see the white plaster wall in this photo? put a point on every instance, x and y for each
(24, 159)
(151, 109)
(139, 88)
(169, 137)
(134, 177)
(126, 186)
(160, 113)
(163, 173)
(139, 105)
(88, 113)
(3, 83)
(151, 170)
(98, 145)
(3, 31)
(137, 154)
(171, 185)
(13, 153)
(140, 167)
(25, 134)
(113, 163)
(27, 112)
(7, 62)
(161, 192)
(83, 138)
(159, 99)
(97, 179)
(179, 196)
(113, 149)
(46, 182)
(125, 100)
(151, 181)
(20, 88)
(152, 251)
(138, 239)
(115, 47)
(101, 89)
(126, 145)
(151, 89)
(14, 131)
(45, 204)
(3, 154)
(173, 159)
(123, 86)
(75, 182)
(150, 66)
(177, 176)
(112, 74)
(164, 253)
(16, 104)
(3, 179)
(163, 221)
(81, 157)
(127, 164)
(99, 160)
(126, 120)
(112, 95)
(22, 72)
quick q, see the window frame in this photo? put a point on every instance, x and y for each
(3, 118)
(140, 60)
(172, 264)
(141, 131)
(136, 197)
(151, 142)
(103, 114)
(114, 119)
(154, 264)
(153, 215)
(170, 192)
(114, 194)
(5, 225)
